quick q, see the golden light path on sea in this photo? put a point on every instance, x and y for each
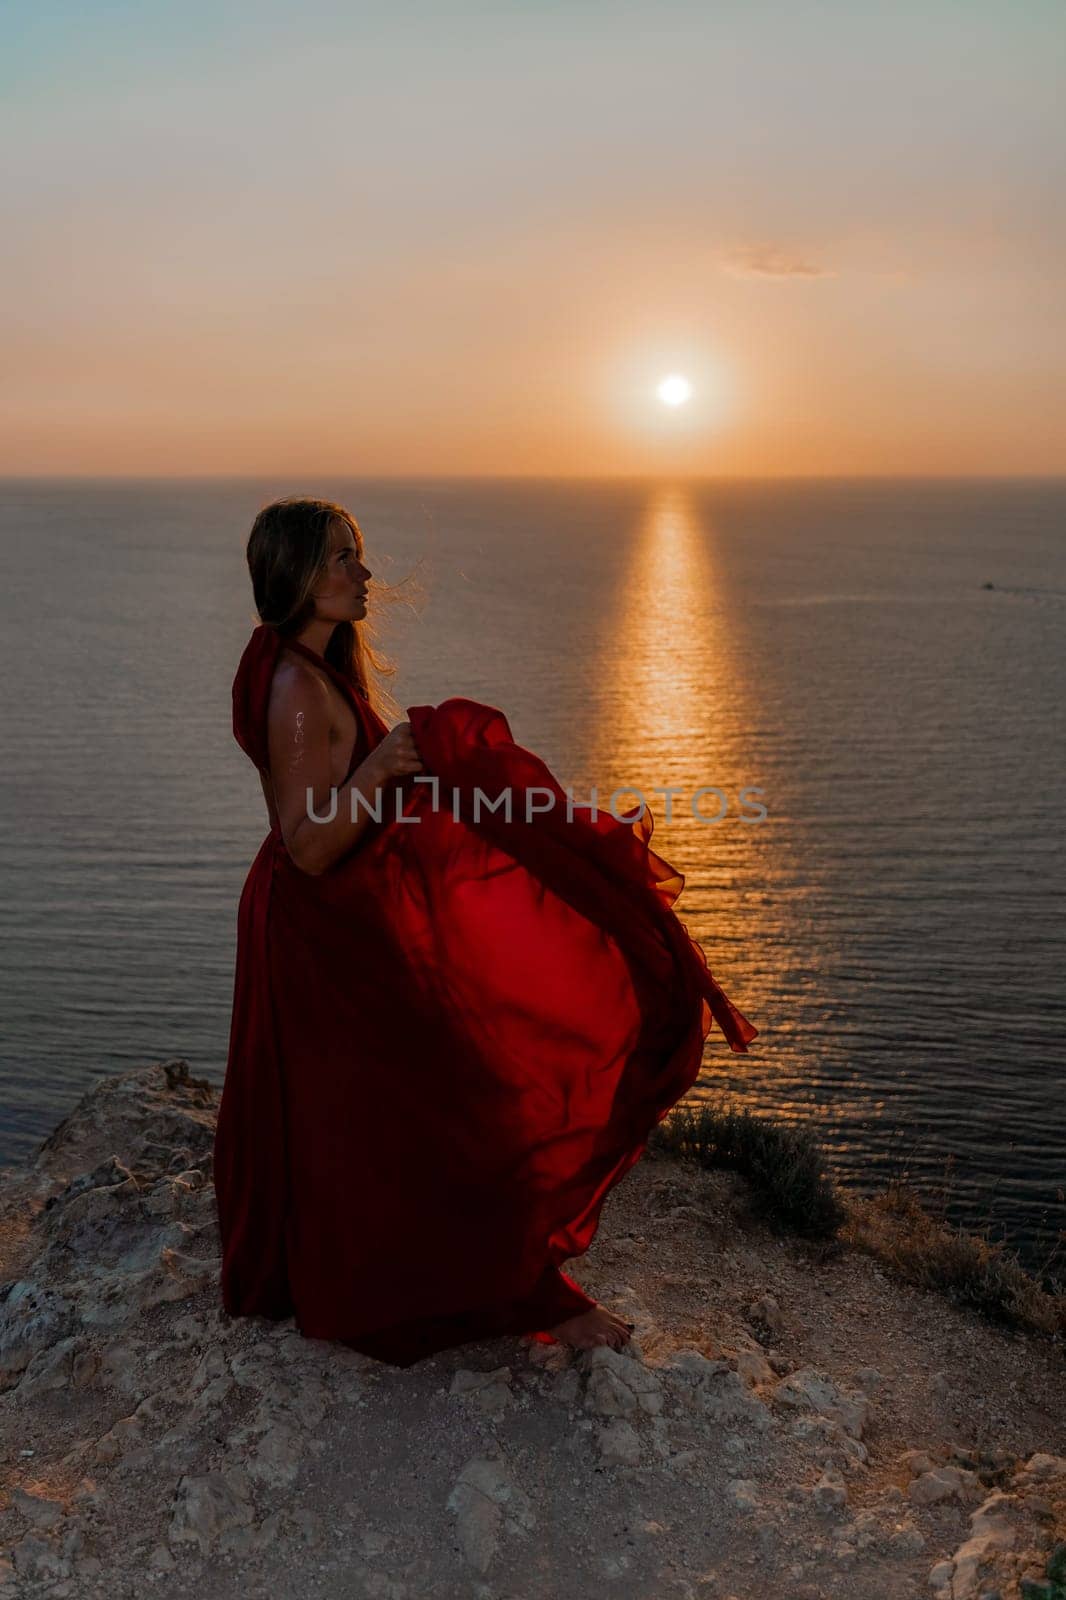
(680, 708)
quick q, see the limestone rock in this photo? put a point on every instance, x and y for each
(713, 1390)
(906, 1540)
(275, 1458)
(32, 1318)
(490, 1390)
(38, 1560)
(206, 1507)
(940, 1483)
(817, 1392)
(744, 1493)
(992, 1531)
(619, 1443)
(616, 1385)
(917, 1462)
(146, 1118)
(1042, 1468)
(754, 1367)
(486, 1502)
(566, 1387)
(766, 1313)
(237, 1456)
(38, 1510)
(51, 1368)
(830, 1492)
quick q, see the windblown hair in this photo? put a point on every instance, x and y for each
(288, 549)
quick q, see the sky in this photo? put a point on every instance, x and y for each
(434, 238)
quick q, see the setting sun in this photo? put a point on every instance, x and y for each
(675, 390)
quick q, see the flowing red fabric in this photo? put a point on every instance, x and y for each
(446, 1049)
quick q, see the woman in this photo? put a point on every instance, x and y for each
(452, 1028)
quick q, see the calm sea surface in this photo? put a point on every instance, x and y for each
(895, 928)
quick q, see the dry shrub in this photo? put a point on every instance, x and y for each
(972, 1271)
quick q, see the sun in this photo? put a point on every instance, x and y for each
(674, 390)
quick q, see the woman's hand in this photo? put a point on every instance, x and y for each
(396, 755)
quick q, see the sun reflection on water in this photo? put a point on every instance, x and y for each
(676, 710)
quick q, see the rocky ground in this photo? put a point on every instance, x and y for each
(786, 1422)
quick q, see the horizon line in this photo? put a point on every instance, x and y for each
(540, 477)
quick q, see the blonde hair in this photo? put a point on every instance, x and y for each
(288, 548)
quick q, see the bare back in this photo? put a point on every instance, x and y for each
(312, 736)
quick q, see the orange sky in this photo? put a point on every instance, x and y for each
(458, 239)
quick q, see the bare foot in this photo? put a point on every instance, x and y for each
(593, 1327)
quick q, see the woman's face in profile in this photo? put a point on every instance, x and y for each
(341, 591)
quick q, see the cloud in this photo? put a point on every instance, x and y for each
(768, 261)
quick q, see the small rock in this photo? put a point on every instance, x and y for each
(484, 1501)
(84, 1368)
(942, 1483)
(906, 1540)
(206, 1507)
(917, 1462)
(268, 1530)
(38, 1561)
(617, 1385)
(181, 1276)
(1043, 1467)
(38, 1510)
(466, 1381)
(766, 1313)
(566, 1386)
(619, 1443)
(814, 1390)
(490, 1390)
(550, 1357)
(744, 1493)
(32, 1319)
(713, 1390)
(308, 1524)
(276, 1458)
(991, 1531)
(830, 1493)
(753, 1368)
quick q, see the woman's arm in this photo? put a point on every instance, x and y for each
(300, 759)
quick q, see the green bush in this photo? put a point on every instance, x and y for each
(784, 1165)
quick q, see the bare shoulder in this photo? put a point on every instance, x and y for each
(300, 707)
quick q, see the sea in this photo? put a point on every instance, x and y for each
(841, 701)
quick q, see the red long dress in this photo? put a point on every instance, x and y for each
(446, 1049)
